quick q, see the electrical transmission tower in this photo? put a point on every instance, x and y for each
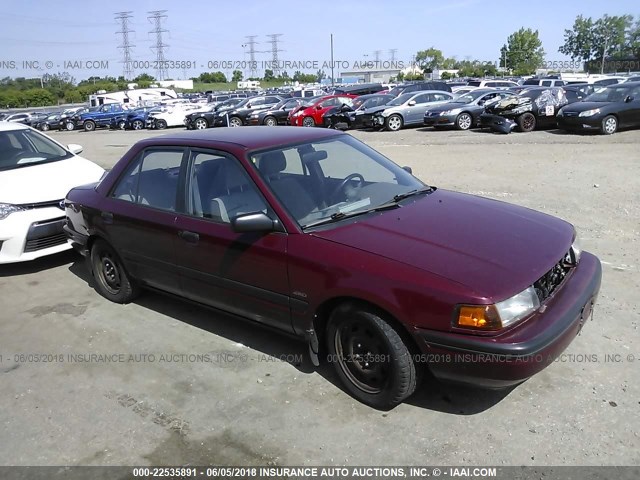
(251, 42)
(156, 17)
(123, 18)
(376, 54)
(274, 53)
(392, 54)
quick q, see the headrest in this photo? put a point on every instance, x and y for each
(272, 163)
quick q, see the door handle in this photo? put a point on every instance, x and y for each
(107, 217)
(190, 237)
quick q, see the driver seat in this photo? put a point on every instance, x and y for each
(289, 191)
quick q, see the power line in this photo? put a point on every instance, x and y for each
(126, 47)
(156, 17)
(275, 63)
(251, 42)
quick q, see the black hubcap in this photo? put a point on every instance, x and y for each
(362, 355)
(110, 274)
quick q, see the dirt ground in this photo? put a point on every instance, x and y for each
(178, 384)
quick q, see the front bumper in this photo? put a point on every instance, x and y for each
(513, 357)
(579, 123)
(32, 234)
(497, 123)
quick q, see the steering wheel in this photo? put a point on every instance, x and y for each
(343, 184)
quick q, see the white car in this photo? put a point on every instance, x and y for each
(174, 116)
(36, 173)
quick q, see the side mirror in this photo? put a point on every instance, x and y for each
(318, 107)
(75, 148)
(628, 99)
(252, 222)
(408, 169)
(411, 103)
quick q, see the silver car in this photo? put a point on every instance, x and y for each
(409, 108)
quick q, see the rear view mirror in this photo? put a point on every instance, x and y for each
(314, 156)
(252, 222)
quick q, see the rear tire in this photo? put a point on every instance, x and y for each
(111, 279)
(371, 359)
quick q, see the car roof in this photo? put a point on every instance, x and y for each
(247, 137)
(7, 126)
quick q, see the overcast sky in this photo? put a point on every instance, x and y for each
(205, 31)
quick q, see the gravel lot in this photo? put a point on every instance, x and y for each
(254, 403)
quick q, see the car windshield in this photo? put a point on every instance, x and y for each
(405, 97)
(474, 83)
(326, 181)
(25, 147)
(468, 97)
(395, 91)
(615, 93)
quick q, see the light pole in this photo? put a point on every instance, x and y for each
(332, 80)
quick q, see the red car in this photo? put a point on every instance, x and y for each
(314, 233)
(310, 114)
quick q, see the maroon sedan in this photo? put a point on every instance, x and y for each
(315, 233)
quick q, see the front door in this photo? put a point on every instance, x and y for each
(244, 273)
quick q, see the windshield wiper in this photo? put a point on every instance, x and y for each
(342, 215)
(417, 191)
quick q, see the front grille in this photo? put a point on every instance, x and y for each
(45, 242)
(570, 114)
(551, 280)
(47, 204)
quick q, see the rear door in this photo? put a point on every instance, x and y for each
(630, 114)
(139, 216)
(243, 273)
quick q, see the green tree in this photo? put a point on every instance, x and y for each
(523, 52)
(320, 75)
(268, 74)
(590, 40)
(236, 76)
(430, 59)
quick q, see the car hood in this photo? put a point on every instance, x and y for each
(371, 110)
(494, 248)
(584, 106)
(443, 107)
(46, 182)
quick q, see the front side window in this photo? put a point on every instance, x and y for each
(152, 179)
(318, 181)
(219, 188)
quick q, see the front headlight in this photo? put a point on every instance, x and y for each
(450, 112)
(500, 315)
(589, 113)
(7, 209)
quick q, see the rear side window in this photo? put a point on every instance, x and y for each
(152, 179)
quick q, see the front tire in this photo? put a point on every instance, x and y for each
(111, 279)
(527, 122)
(69, 126)
(609, 125)
(161, 124)
(393, 123)
(370, 357)
(200, 124)
(464, 121)
(270, 122)
(89, 126)
(235, 122)
(137, 125)
(45, 127)
(308, 122)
